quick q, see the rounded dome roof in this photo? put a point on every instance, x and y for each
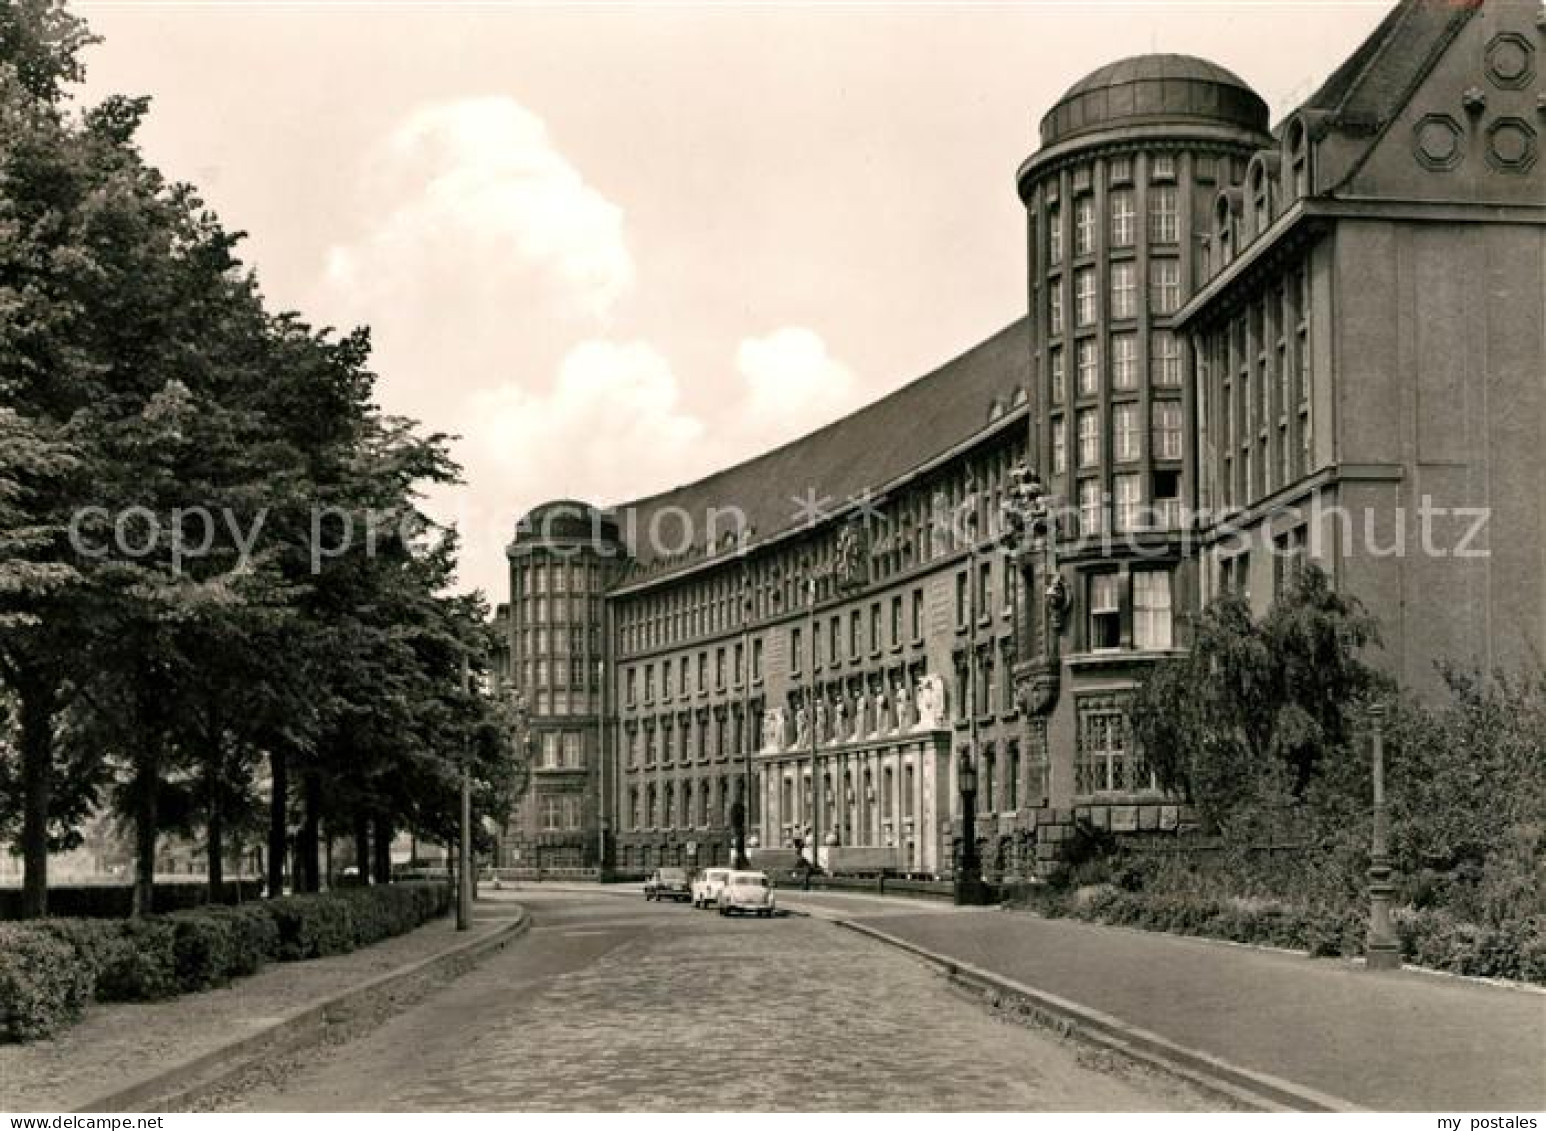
(1153, 88)
(567, 521)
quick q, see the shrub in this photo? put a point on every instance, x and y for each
(145, 967)
(49, 969)
(313, 926)
(114, 901)
(43, 988)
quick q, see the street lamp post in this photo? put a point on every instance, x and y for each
(970, 891)
(464, 888)
(1382, 948)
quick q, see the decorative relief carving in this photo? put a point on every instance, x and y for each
(1510, 61)
(1511, 145)
(1436, 140)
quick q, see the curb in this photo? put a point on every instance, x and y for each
(304, 1029)
(1257, 1090)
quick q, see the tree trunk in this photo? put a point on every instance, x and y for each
(278, 822)
(382, 867)
(214, 830)
(38, 705)
(147, 780)
(310, 834)
(362, 848)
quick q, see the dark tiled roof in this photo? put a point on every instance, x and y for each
(1159, 87)
(1374, 82)
(869, 448)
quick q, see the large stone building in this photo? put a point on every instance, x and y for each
(1247, 346)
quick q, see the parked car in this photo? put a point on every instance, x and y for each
(747, 892)
(705, 889)
(668, 883)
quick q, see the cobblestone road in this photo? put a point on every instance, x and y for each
(610, 1003)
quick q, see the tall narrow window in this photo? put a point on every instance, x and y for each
(1129, 501)
(1055, 307)
(1165, 359)
(1054, 235)
(1163, 225)
(1084, 297)
(1059, 446)
(1105, 618)
(1087, 360)
(1124, 222)
(1151, 609)
(1164, 286)
(1092, 509)
(1124, 290)
(1124, 361)
(1089, 438)
(1084, 225)
(1167, 429)
(1124, 429)
(1059, 380)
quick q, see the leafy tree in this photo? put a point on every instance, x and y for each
(1256, 710)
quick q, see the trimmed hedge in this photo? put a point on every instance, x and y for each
(115, 901)
(49, 969)
(1435, 939)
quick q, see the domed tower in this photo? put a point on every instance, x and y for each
(1117, 199)
(564, 556)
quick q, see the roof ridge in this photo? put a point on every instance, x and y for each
(935, 373)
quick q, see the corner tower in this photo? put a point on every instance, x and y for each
(1118, 200)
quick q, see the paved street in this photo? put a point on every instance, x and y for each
(610, 1003)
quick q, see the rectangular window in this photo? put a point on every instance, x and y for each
(1055, 307)
(1162, 167)
(1167, 429)
(1089, 438)
(835, 639)
(1054, 235)
(1129, 501)
(1167, 498)
(1121, 170)
(1092, 510)
(574, 755)
(1084, 225)
(1165, 359)
(649, 683)
(1059, 378)
(1059, 446)
(1087, 359)
(961, 600)
(1105, 622)
(1163, 225)
(855, 635)
(1084, 296)
(1164, 286)
(1124, 426)
(1124, 290)
(896, 620)
(1124, 361)
(757, 659)
(1124, 221)
(984, 588)
(633, 685)
(874, 628)
(1151, 609)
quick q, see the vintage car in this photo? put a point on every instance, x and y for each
(668, 883)
(747, 892)
(705, 889)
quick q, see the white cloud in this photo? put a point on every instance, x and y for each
(476, 205)
(792, 384)
(491, 273)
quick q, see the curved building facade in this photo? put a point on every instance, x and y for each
(1246, 347)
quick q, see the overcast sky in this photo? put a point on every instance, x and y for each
(613, 248)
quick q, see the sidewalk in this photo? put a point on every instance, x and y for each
(115, 1046)
(1398, 1041)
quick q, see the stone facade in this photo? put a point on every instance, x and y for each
(1233, 331)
